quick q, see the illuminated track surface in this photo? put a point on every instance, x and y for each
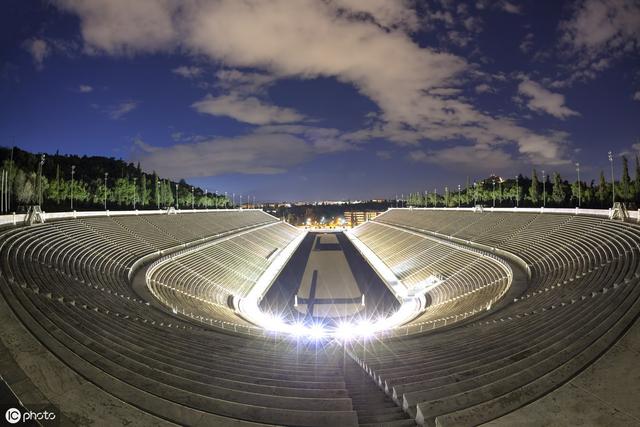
(329, 277)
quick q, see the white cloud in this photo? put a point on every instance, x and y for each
(478, 158)
(458, 38)
(511, 8)
(39, 50)
(636, 96)
(527, 43)
(117, 111)
(323, 140)
(599, 25)
(383, 154)
(124, 27)
(309, 39)
(269, 149)
(188, 71)
(249, 109)
(389, 14)
(542, 100)
(598, 32)
(85, 88)
(249, 154)
(245, 83)
(483, 88)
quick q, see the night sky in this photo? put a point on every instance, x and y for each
(335, 99)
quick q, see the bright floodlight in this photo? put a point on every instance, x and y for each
(298, 329)
(317, 331)
(365, 329)
(275, 322)
(345, 331)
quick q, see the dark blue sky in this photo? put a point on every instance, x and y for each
(324, 100)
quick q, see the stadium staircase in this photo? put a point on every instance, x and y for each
(374, 407)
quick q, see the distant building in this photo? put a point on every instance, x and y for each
(355, 218)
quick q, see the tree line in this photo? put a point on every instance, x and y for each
(87, 181)
(535, 191)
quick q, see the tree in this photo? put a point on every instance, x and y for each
(625, 181)
(577, 191)
(56, 190)
(144, 191)
(603, 189)
(559, 194)
(99, 192)
(588, 194)
(514, 191)
(24, 188)
(467, 189)
(534, 190)
(168, 193)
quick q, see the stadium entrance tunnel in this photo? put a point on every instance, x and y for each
(328, 289)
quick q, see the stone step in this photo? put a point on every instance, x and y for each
(395, 423)
(369, 404)
(380, 417)
(380, 411)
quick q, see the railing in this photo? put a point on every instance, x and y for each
(566, 211)
(15, 219)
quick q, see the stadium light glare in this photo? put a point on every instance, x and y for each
(366, 329)
(317, 331)
(344, 331)
(275, 323)
(298, 330)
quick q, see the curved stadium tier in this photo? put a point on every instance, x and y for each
(420, 317)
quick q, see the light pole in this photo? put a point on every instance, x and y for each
(135, 191)
(157, 194)
(73, 171)
(517, 191)
(494, 193)
(225, 198)
(192, 198)
(177, 201)
(206, 204)
(544, 189)
(579, 184)
(459, 194)
(613, 182)
(475, 193)
(446, 197)
(106, 175)
(233, 199)
(435, 197)
(42, 157)
(241, 201)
